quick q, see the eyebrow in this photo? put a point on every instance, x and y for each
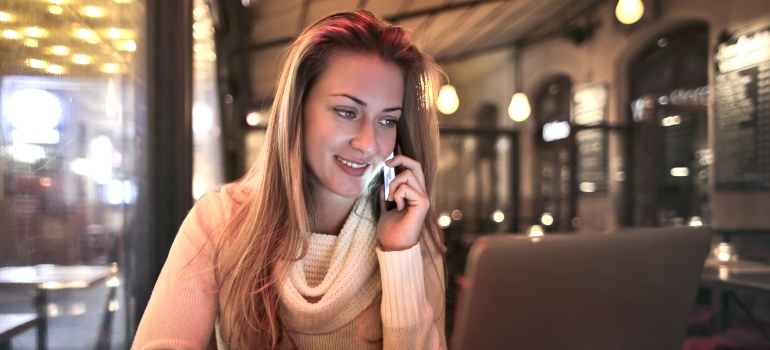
(362, 103)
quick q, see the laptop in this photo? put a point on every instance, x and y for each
(627, 290)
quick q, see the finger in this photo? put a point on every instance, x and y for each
(407, 177)
(408, 195)
(408, 163)
(383, 207)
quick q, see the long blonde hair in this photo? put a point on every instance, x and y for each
(268, 229)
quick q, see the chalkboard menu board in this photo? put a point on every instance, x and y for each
(742, 113)
(589, 109)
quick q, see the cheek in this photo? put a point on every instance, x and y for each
(387, 144)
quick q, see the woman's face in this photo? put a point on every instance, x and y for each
(350, 120)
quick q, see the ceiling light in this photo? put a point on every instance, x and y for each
(58, 2)
(93, 11)
(55, 9)
(519, 108)
(29, 42)
(39, 64)
(81, 59)
(34, 32)
(5, 17)
(448, 102)
(123, 1)
(60, 50)
(11, 34)
(629, 11)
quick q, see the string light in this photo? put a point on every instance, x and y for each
(81, 59)
(39, 64)
(114, 33)
(109, 68)
(93, 11)
(84, 33)
(34, 32)
(60, 50)
(55, 69)
(11, 34)
(55, 9)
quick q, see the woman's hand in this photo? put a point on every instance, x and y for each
(399, 229)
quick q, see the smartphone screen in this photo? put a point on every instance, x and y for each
(388, 174)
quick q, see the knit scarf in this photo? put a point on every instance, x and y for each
(351, 283)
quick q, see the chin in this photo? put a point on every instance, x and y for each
(351, 191)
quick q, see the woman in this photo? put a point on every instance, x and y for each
(302, 252)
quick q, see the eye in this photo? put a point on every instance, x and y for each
(389, 122)
(345, 113)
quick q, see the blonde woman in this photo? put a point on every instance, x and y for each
(303, 252)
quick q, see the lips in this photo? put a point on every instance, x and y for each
(353, 168)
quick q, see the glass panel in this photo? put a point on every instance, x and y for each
(208, 166)
(254, 142)
(474, 192)
(69, 158)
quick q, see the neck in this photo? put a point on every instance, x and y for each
(330, 212)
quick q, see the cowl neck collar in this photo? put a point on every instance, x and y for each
(350, 285)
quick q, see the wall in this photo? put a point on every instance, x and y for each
(603, 59)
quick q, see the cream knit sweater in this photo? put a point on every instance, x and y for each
(344, 294)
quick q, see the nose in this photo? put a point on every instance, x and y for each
(365, 140)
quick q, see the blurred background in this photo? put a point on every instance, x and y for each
(557, 117)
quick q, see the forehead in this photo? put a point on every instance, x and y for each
(361, 74)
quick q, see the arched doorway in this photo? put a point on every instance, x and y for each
(668, 154)
(555, 156)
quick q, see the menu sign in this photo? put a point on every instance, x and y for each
(589, 108)
(742, 113)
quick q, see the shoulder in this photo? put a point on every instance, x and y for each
(221, 202)
(214, 209)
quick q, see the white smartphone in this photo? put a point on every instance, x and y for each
(388, 174)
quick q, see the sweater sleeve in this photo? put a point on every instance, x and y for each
(412, 299)
(182, 307)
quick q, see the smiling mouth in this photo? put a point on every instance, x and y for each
(351, 164)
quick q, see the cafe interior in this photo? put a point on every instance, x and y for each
(557, 118)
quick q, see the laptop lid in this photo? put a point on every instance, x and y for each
(629, 290)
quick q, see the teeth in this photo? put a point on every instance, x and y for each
(352, 165)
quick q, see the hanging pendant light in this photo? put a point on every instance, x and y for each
(629, 11)
(447, 99)
(519, 109)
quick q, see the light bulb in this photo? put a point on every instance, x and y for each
(519, 109)
(629, 11)
(447, 99)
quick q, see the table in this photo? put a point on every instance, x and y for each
(47, 277)
(744, 276)
(13, 324)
